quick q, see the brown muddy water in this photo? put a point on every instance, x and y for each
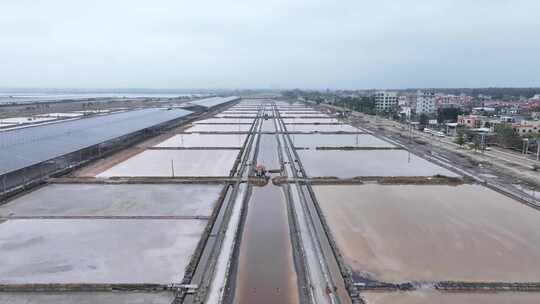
(433, 233)
(432, 297)
(266, 272)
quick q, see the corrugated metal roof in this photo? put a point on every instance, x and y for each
(213, 101)
(25, 147)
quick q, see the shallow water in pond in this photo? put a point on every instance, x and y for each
(175, 163)
(218, 120)
(431, 297)
(321, 120)
(348, 164)
(204, 140)
(266, 272)
(433, 233)
(219, 128)
(321, 128)
(338, 140)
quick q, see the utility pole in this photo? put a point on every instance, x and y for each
(4, 183)
(537, 148)
(483, 143)
(525, 146)
(410, 132)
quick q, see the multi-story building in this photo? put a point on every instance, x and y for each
(478, 121)
(386, 101)
(507, 119)
(483, 97)
(529, 106)
(403, 101)
(455, 101)
(425, 102)
(470, 121)
(406, 112)
(526, 127)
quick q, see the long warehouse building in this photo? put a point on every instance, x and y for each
(26, 147)
(212, 102)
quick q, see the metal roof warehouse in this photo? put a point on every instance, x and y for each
(25, 147)
(213, 101)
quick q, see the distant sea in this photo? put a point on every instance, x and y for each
(43, 96)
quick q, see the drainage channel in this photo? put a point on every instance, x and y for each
(324, 270)
(266, 271)
(205, 284)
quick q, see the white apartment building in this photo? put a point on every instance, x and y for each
(386, 101)
(425, 102)
(448, 101)
(403, 101)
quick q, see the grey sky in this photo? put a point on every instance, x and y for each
(271, 43)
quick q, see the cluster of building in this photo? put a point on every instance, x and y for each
(520, 115)
(422, 102)
(531, 104)
(519, 124)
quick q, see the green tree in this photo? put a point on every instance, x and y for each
(460, 139)
(476, 142)
(424, 119)
(448, 114)
(506, 137)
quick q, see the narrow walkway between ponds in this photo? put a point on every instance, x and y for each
(266, 272)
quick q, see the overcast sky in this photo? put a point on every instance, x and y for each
(351, 44)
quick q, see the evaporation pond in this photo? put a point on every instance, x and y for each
(338, 140)
(268, 126)
(299, 112)
(112, 297)
(303, 114)
(219, 128)
(97, 251)
(310, 120)
(295, 109)
(252, 112)
(115, 200)
(404, 233)
(348, 164)
(225, 121)
(321, 128)
(175, 163)
(433, 297)
(190, 140)
(235, 115)
(266, 272)
(243, 107)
